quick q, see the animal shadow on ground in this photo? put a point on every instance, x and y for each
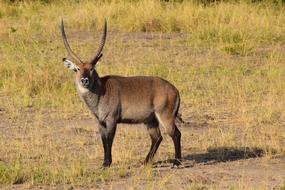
(216, 155)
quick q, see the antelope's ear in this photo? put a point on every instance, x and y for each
(68, 64)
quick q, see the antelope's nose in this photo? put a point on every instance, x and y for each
(84, 81)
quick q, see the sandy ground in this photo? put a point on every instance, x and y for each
(246, 167)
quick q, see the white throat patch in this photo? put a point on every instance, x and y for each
(81, 89)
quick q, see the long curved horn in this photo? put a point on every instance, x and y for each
(102, 43)
(66, 44)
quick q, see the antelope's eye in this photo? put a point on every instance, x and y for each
(91, 69)
(78, 69)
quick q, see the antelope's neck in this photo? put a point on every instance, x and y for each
(90, 96)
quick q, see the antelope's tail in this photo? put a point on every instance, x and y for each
(179, 119)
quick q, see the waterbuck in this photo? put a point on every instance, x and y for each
(117, 99)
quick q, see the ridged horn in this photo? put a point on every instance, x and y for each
(102, 43)
(67, 46)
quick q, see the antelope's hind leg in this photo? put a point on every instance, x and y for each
(167, 120)
(156, 138)
(176, 138)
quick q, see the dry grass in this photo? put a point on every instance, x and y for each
(227, 60)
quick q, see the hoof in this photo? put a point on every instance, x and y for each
(147, 163)
(106, 164)
(176, 163)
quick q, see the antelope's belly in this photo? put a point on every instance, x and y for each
(136, 114)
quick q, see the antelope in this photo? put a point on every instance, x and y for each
(113, 99)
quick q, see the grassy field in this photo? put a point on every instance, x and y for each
(226, 58)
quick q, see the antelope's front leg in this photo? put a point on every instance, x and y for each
(107, 132)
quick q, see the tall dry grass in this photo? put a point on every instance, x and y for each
(31, 48)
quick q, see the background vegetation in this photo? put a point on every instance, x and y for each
(226, 58)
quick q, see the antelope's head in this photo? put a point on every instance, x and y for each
(86, 74)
